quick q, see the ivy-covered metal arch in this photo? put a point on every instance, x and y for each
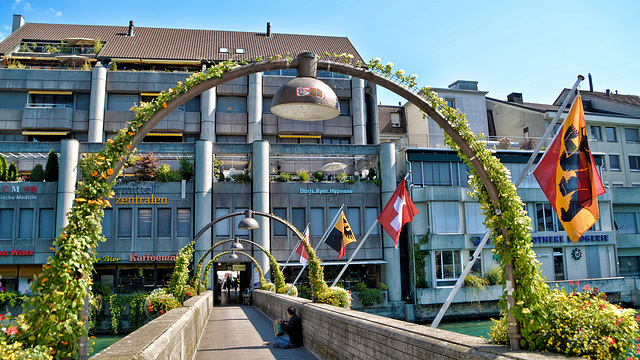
(207, 268)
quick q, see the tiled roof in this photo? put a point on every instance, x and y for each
(384, 119)
(526, 105)
(181, 44)
(619, 98)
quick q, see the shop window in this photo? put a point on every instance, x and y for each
(184, 222)
(26, 224)
(614, 162)
(474, 218)
(164, 222)
(47, 224)
(629, 265)
(298, 218)
(625, 222)
(596, 133)
(237, 220)
(446, 217)
(316, 226)
(631, 135)
(353, 216)
(546, 218)
(125, 222)
(448, 267)
(144, 223)
(611, 134)
(107, 223)
(370, 216)
(558, 263)
(634, 162)
(6, 223)
(222, 227)
(278, 228)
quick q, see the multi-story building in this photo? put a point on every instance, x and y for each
(68, 88)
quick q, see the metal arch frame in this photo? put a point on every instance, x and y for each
(217, 257)
(368, 75)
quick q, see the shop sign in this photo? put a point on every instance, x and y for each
(18, 192)
(239, 267)
(16, 252)
(135, 200)
(325, 191)
(150, 258)
(551, 239)
(133, 188)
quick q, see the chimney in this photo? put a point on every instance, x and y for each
(515, 98)
(590, 83)
(18, 21)
(268, 29)
(607, 92)
(130, 32)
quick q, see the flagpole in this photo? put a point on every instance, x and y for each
(294, 250)
(485, 239)
(324, 238)
(354, 253)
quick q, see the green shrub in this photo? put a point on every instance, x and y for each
(305, 292)
(186, 169)
(285, 177)
(37, 174)
(159, 302)
(318, 175)
(495, 275)
(335, 296)
(165, 174)
(341, 177)
(113, 66)
(12, 173)
(51, 170)
(98, 46)
(3, 168)
(303, 175)
(475, 281)
(361, 286)
(241, 177)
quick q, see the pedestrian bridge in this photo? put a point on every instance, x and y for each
(199, 330)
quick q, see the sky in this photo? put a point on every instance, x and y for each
(536, 48)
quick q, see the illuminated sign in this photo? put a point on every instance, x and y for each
(15, 192)
(149, 258)
(16, 252)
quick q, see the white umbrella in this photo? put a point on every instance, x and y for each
(334, 166)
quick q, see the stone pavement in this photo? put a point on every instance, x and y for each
(237, 332)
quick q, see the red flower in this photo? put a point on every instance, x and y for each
(577, 283)
(12, 330)
(1, 317)
(570, 282)
(161, 312)
(611, 340)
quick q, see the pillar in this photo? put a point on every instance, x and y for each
(260, 188)
(372, 113)
(208, 105)
(203, 196)
(390, 270)
(254, 108)
(97, 104)
(69, 153)
(357, 111)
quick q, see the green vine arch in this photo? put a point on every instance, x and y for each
(60, 290)
(207, 268)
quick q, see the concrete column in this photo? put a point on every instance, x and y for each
(390, 270)
(97, 104)
(372, 114)
(260, 184)
(358, 112)
(69, 152)
(254, 108)
(208, 105)
(203, 196)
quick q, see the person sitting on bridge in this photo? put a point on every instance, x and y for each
(293, 331)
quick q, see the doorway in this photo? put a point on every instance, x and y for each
(232, 279)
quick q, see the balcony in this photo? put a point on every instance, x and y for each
(47, 116)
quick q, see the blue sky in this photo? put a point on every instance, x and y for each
(533, 47)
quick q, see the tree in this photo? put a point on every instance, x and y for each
(147, 167)
(3, 168)
(186, 168)
(51, 169)
(37, 174)
(12, 173)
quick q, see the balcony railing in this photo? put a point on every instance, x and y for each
(413, 140)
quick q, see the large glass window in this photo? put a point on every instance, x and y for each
(107, 223)
(51, 100)
(546, 218)
(634, 162)
(298, 218)
(611, 134)
(353, 216)
(629, 265)
(164, 222)
(625, 222)
(47, 224)
(316, 227)
(223, 226)
(474, 218)
(124, 222)
(448, 267)
(184, 222)
(427, 173)
(278, 228)
(370, 215)
(231, 104)
(596, 133)
(144, 222)
(445, 217)
(631, 135)
(614, 162)
(6, 223)
(26, 224)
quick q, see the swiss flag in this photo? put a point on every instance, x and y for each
(301, 250)
(398, 211)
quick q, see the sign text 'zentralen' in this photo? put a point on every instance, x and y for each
(136, 200)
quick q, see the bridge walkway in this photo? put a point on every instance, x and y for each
(236, 331)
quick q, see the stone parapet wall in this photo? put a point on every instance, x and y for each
(174, 335)
(335, 333)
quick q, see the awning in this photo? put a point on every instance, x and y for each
(149, 94)
(50, 92)
(80, 41)
(164, 134)
(301, 136)
(340, 263)
(51, 133)
(172, 62)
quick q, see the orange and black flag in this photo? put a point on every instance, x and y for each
(568, 175)
(340, 236)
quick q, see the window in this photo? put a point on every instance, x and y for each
(370, 215)
(107, 223)
(345, 107)
(298, 218)
(634, 162)
(395, 119)
(232, 104)
(222, 227)
(474, 218)
(451, 102)
(631, 135)
(546, 218)
(353, 216)
(266, 105)
(6, 223)
(144, 222)
(231, 139)
(629, 265)
(278, 228)
(316, 228)
(26, 224)
(124, 222)
(47, 224)
(239, 50)
(611, 134)
(428, 173)
(596, 133)
(184, 222)
(339, 141)
(445, 217)
(50, 100)
(223, 49)
(558, 263)
(448, 267)
(614, 162)
(237, 220)
(556, 128)
(164, 222)
(625, 222)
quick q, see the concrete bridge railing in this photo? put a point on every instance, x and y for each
(174, 335)
(335, 333)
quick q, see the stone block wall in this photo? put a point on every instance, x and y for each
(174, 335)
(335, 333)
